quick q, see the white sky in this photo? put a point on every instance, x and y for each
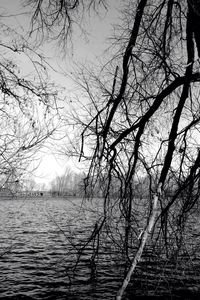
(84, 50)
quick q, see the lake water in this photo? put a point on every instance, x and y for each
(39, 239)
(39, 243)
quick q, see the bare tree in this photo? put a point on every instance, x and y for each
(56, 20)
(143, 118)
(148, 124)
(27, 105)
(68, 184)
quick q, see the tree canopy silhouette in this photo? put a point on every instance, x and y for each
(144, 118)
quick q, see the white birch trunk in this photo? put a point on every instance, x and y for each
(144, 237)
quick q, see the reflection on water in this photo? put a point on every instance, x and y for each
(39, 239)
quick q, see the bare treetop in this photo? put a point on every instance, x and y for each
(53, 19)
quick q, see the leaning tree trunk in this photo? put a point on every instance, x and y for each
(144, 238)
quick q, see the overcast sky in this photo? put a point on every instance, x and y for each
(86, 49)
